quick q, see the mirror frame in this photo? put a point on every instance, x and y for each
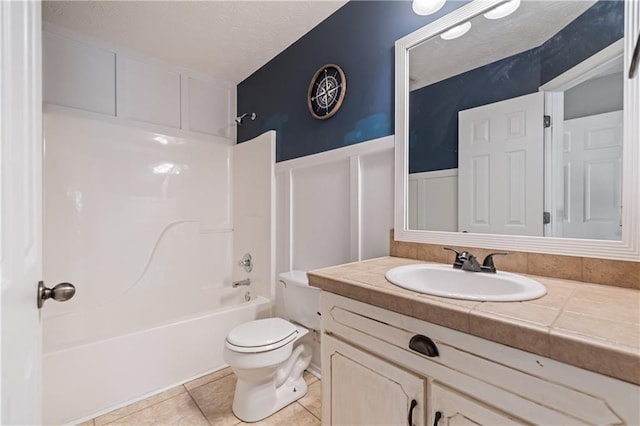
(628, 248)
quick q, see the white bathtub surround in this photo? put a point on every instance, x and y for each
(85, 75)
(254, 212)
(141, 223)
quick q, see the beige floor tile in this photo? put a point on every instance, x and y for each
(293, 414)
(179, 410)
(87, 423)
(312, 401)
(140, 405)
(208, 378)
(309, 378)
(215, 399)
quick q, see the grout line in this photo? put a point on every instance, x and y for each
(198, 406)
(207, 383)
(308, 411)
(141, 409)
(562, 309)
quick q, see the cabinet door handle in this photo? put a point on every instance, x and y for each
(413, 405)
(437, 418)
(424, 345)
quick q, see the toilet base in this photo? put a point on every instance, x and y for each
(253, 403)
(269, 381)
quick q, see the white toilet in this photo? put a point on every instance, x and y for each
(268, 356)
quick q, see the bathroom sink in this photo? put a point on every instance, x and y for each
(445, 281)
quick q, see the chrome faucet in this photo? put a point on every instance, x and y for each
(468, 262)
(236, 284)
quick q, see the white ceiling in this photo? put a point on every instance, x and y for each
(490, 40)
(228, 40)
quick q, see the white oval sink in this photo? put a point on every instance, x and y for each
(445, 281)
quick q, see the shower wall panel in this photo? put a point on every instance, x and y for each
(139, 222)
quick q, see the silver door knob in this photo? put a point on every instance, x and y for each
(61, 292)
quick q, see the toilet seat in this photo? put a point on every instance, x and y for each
(261, 335)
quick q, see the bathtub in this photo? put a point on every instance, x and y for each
(141, 224)
(83, 378)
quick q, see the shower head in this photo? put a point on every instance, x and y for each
(239, 119)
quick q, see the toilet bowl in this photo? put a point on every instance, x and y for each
(269, 355)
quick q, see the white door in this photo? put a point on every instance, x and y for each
(21, 211)
(592, 161)
(500, 160)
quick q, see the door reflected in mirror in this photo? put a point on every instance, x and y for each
(515, 127)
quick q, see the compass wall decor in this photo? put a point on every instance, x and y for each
(326, 91)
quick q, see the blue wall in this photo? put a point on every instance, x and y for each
(433, 131)
(433, 110)
(360, 38)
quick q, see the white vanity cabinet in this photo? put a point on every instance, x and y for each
(452, 408)
(367, 390)
(371, 375)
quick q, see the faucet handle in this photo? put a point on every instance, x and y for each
(487, 264)
(458, 262)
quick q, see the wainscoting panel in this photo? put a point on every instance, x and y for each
(376, 208)
(433, 200)
(333, 207)
(320, 216)
(336, 206)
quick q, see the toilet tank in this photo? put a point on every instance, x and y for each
(301, 302)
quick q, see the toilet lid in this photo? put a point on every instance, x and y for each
(261, 335)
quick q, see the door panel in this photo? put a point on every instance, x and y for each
(500, 156)
(21, 211)
(365, 390)
(592, 160)
(451, 408)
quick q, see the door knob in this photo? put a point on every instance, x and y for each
(61, 292)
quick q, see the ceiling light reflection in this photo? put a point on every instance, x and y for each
(427, 7)
(505, 9)
(457, 31)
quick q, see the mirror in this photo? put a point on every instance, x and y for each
(518, 129)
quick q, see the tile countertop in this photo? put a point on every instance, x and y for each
(595, 327)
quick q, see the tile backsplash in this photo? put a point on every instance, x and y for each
(600, 271)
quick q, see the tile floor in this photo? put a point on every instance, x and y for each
(207, 401)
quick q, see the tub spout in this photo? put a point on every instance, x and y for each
(237, 284)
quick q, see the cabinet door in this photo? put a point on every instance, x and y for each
(450, 408)
(365, 390)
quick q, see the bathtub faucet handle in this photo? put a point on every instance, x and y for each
(246, 262)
